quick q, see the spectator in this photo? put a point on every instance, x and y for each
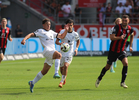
(47, 3)
(136, 15)
(61, 2)
(59, 11)
(137, 2)
(49, 12)
(53, 4)
(108, 12)
(131, 3)
(127, 9)
(77, 12)
(98, 10)
(103, 11)
(121, 1)
(119, 10)
(18, 31)
(66, 9)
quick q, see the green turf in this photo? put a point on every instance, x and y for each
(82, 74)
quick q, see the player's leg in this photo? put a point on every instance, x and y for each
(57, 56)
(64, 74)
(2, 52)
(61, 70)
(111, 58)
(39, 76)
(103, 71)
(124, 72)
(1, 57)
(65, 62)
(124, 60)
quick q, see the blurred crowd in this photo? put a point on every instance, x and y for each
(129, 7)
(63, 9)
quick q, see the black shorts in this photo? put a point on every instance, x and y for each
(2, 50)
(112, 56)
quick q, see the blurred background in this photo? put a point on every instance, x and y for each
(93, 21)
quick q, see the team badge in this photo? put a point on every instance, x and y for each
(127, 31)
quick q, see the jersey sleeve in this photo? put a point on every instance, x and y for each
(132, 30)
(77, 36)
(37, 32)
(9, 34)
(54, 34)
(115, 29)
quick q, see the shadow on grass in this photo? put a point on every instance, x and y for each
(19, 93)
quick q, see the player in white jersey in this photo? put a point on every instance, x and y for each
(117, 21)
(66, 59)
(46, 37)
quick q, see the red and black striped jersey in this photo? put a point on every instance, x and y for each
(119, 45)
(4, 34)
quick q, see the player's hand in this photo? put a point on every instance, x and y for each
(11, 39)
(130, 48)
(76, 51)
(122, 37)
(66, 27)
(23, 42)
(61, 43)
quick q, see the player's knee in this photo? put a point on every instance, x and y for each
(1, 58)
(65, 66)
(58, 56)
(125, 64)
(107, 67)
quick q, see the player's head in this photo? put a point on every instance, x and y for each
(46, 24)
(70, 23)
(118, 21)
(4, 22)
(125, 20)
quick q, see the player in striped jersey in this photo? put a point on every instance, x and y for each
(5, 33)
(119, 37)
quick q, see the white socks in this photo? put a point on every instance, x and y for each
(38, 77)
(112, 66)
(57, 64)
(63, 78)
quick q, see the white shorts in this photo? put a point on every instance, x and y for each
(49, 57)
(65, 59)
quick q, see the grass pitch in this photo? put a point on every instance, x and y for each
(80, 85)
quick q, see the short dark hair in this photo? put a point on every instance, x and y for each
(69, 21)
(45, 20)
(125, 16)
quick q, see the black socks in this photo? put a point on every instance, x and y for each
(124, 73)
(102, 73)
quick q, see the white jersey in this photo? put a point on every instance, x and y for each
(46, 38)
(69, 38)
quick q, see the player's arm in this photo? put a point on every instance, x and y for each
(61, 36)
(77, 46)
(113, 36)
(131, 42)
(9, 36)
(27, 37)
(58, 43)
